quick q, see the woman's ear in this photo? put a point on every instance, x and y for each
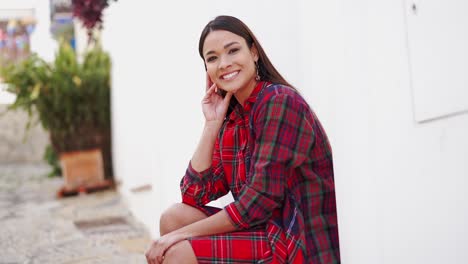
(254, 52)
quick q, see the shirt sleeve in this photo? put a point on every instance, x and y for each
(200, 188)
(283, 139)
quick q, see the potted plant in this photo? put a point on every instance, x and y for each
(72, 100)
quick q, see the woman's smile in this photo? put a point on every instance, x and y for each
(230, 76)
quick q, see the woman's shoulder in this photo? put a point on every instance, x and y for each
(276, 91)
(277, 88)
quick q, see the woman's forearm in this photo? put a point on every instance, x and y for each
(215, 224)
(202, 158)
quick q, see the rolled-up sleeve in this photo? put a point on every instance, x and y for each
(200, 188)
(283, 138)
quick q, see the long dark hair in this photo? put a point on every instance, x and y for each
(266, 70)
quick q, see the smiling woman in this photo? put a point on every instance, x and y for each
(231, 63)
(264, 144)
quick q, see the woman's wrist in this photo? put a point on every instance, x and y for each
(203, 155)
(213, 126)
(180, 234)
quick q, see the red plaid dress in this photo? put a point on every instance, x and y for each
(275, 158)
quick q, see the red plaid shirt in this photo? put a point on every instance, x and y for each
(278, 167)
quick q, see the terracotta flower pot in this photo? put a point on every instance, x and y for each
(82, 169)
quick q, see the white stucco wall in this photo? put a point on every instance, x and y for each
(400, 184)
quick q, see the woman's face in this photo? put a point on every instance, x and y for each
(230, 62)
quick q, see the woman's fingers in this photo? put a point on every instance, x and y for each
(209, 93)
(227, 98)
(211, 89)
(154, 255)
(209, 83)
(214, 87)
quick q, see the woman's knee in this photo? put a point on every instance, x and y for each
(177, 216)
(169, 219)
(181, 252)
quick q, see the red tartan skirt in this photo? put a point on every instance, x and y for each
(249, 246)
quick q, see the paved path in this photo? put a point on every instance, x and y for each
(36, 227)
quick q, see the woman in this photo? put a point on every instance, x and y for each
(262, 142)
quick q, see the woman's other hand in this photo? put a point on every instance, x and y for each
(157, 249)
(214, 106)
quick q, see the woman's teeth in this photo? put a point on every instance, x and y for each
(230, 75)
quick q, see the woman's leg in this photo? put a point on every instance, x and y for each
(177, 216)
(241, 246)
(181, 252)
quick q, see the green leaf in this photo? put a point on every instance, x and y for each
(35, 92)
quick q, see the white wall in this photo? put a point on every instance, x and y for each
(438, 70)
(400, 184)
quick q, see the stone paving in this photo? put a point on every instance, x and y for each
(37, 227)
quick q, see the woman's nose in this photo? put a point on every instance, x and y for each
(225, 62)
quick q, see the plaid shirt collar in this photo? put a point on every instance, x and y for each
(239, 110)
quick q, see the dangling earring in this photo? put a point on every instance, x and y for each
(257, 78)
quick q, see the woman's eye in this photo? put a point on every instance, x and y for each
(212, 58)
(233, 50)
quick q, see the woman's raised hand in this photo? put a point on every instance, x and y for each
(214, 106)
